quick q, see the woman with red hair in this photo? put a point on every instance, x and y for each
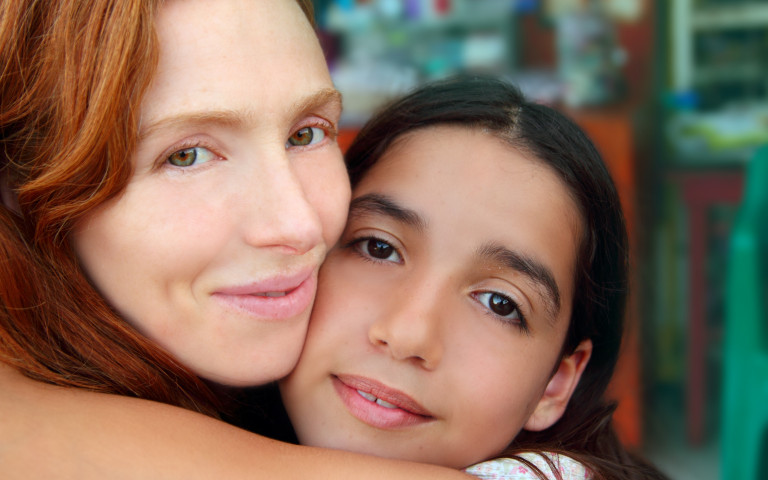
(171, 184)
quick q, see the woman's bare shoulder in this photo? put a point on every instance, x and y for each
(54, 432)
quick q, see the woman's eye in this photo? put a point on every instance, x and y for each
(190, 156)
(499, 304)
(379, 250)
(306, 136)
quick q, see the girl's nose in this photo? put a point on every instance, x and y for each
(410, 330)
(278, 212)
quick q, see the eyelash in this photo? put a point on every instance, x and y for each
(356, 245)
(521, 323)
(327, 127)
(188, 144)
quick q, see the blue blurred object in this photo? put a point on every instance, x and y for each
(685, 100)
(346, 4)
(745, 359)
(526, 6)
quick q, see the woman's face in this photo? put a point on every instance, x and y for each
(441, 316)
(238, 191)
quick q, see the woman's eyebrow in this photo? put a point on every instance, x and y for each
(323, 98)
(537, 272)
(326, 98)
(231, 118)
(376, 204)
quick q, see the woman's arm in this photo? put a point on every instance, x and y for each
(54, 432)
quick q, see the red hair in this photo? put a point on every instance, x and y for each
(73, 75)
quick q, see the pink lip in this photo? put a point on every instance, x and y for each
(407, 413)
(296, 293)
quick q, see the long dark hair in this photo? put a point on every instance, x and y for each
(585, 431)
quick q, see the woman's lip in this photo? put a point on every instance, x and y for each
(278, 283)
(274, 298)
(406, 411)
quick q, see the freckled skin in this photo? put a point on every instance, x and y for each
(218, 204)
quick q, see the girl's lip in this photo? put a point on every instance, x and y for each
(399, 409)
(274, 298)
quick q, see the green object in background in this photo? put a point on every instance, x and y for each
(728, 129)
(745, 359)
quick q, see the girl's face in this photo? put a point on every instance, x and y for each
(440, 319)
(239, 189)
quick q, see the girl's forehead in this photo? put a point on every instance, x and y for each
(463, 157)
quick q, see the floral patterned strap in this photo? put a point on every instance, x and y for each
(511, 469)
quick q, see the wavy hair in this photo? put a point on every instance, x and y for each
(72, 76)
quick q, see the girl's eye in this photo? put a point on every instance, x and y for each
(500, 305)
(306, 136)
(378, 249)
(190, 156)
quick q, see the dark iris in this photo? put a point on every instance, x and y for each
(302, 137)
(379, 249)
(501, 305)
(183, 158)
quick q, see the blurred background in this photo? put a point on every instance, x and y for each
(675, 95)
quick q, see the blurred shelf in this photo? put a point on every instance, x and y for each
(461, 18)
(734, 72)
(431, 25)
(702, 34)
(732, 16)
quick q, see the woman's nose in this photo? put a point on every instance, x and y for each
(410, 329)
(277, 210)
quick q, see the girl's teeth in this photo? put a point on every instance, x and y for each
(378, 401)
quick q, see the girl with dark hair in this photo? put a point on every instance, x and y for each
(170, 185)
(474, 308)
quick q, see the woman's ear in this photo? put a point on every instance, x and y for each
(555, 399)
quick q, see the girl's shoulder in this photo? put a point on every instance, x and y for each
(514, 469)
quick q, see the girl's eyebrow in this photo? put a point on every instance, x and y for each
(377, 204)
(536, 271)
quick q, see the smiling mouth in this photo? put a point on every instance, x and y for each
(378, 405)
(275, 299)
